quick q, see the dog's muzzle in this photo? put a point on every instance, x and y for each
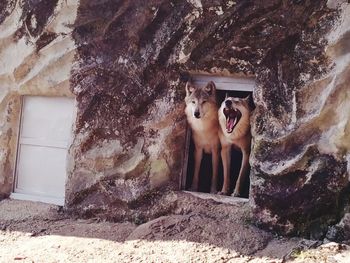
(232, 115)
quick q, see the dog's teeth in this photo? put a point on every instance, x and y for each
(234, 122)
(230, 124)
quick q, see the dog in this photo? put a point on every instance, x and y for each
(234, 118)
(202, 115)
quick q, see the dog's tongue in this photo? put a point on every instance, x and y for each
(232, 117)
(230, 123)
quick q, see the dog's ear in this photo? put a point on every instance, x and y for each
(247, 99)
(210, 88)
(189, 88)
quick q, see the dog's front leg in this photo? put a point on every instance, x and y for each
(226, 162)
(242, 173)
(215, 164)
(197, 165)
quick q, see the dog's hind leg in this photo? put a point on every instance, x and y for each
(242, 173)
(198, 154)
(226, 162)
(215, 164)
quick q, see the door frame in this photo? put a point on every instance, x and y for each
(33, 197)
(222, 83)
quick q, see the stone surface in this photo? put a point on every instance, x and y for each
(300, 172)
(126, 62)
(341, 231)
(129, 74)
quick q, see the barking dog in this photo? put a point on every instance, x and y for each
(234, 119)
(201, 111)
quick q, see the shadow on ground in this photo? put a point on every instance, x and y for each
(199, 228)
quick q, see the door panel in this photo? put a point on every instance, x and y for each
(41, 170)
(45, 135)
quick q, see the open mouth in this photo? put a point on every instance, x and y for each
(232, 118)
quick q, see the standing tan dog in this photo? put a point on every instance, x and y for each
(234, 119)
(202, 115)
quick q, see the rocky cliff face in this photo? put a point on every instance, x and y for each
(301, 153)
(128, 67)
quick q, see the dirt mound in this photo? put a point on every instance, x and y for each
(198, 230)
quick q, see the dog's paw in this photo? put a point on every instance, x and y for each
(222, 193)
(236, 194)
(193, 189)
(213, 191)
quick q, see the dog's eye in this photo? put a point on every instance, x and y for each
(204, 101)
(193, 102)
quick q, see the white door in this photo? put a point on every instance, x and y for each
(45, 134)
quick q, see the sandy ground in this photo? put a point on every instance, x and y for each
(198, 231)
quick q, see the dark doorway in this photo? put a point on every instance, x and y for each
(206, 164)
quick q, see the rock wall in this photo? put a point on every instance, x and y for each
(300, 175)
(129, 72)
(128, 62)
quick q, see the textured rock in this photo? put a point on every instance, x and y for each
(300, 159)
(127, 66)
(129, 74)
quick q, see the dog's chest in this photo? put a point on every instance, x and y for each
(205, 141)
(205, 135)
(205, 128)
(234, 138)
